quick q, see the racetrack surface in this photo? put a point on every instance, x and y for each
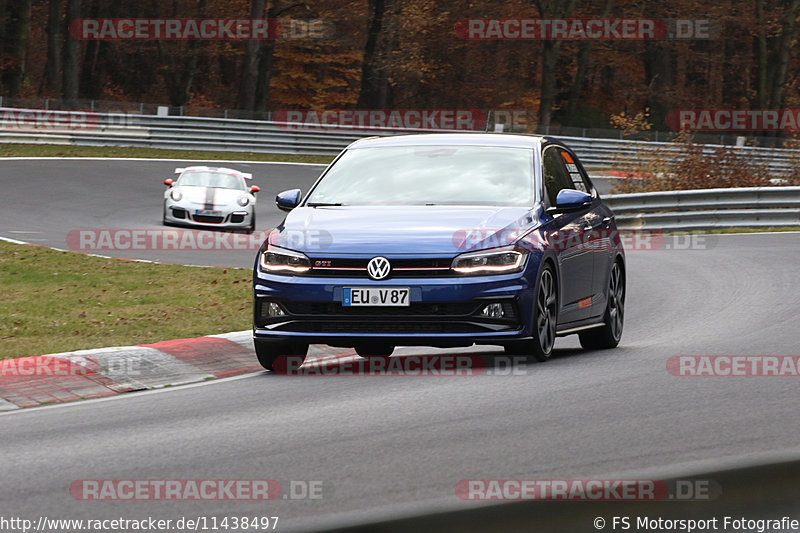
(399, 444)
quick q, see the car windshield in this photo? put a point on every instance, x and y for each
(194, 178)
(419, 175)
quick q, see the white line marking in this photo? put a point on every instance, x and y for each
(14, 241)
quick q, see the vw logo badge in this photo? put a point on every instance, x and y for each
(378, 268)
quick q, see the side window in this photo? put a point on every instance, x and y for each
(578, 179)
(556, 176)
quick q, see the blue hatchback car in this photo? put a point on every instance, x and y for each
(442, 240)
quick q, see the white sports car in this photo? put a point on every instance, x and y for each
(210, 196)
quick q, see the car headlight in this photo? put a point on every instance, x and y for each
(275, 259)
(504, 260)
(243, 200)
(176, 195)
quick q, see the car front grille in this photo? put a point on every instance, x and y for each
(418, 318)
(415, 309)
(208, 219)
(401, 268)
(372, 326)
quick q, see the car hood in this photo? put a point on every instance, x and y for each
(449, 230)
(215, 195)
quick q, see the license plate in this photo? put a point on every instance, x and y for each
(376, 296)
(208, 212)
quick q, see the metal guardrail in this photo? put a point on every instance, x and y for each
(704, 209)
(624, 153)
(220, 134)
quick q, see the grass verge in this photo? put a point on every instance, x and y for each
(63, 301)
(52, 150)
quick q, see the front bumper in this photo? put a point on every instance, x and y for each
(179, 213)
(443, 311)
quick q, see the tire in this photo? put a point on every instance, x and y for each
(610, 333)
(252, 227)
(272, 355)
(374, 350)
(545, 318)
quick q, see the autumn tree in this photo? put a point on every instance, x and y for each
(15, 22)
(550, 49)
(252, 60)
(72, 54)
(375, 87)
(52, 81)
(777, 34)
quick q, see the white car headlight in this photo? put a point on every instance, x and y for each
(176, 195)
(275, 259)
(504, 260)
(243, 200)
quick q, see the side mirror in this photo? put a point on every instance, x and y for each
(288, 200)
(570, 200)
(168, 182)
(254, 189)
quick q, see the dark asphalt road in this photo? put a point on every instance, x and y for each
(389, 445)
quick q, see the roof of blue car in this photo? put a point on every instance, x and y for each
(437, 139)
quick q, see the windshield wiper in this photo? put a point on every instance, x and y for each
(323, 204)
